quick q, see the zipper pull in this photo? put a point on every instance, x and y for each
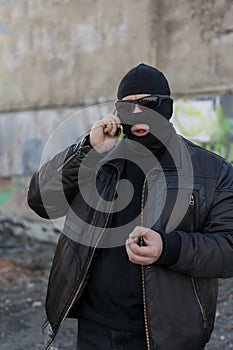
(191, 201)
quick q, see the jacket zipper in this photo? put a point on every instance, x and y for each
(90, 261)
(199, 303)
(73, 300)
(143, 276)
(191, 201)
(192, 212)
(144, 308)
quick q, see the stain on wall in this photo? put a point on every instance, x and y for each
(56, 52)
(31, 155)
(195, 46)
(30, 138)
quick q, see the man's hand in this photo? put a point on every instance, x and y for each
(103, 133)
(145, 255)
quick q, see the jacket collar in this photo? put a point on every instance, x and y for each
(167, 161)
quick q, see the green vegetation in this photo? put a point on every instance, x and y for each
(210, 129)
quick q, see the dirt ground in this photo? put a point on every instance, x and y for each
(24, 269)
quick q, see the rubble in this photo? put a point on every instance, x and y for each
(25, 260)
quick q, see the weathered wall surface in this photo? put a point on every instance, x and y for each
(59, 55)
(28, 138)
(195, 41)
(56, 52)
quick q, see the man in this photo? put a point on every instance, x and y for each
(170, 200)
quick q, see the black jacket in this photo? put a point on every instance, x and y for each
(179, 299)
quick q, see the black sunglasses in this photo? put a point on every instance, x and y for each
(150, 101)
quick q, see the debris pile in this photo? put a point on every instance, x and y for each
(26, 252)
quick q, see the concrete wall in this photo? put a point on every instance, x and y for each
(195, 45)
(56, 52)
(29, 138)
(59, 55)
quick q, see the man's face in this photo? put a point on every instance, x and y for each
(138, 130)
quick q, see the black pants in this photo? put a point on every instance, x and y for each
(95, 337)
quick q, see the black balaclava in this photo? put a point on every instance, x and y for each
(144, 79)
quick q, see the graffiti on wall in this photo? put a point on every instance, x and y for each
(4, 30)
(208, 123)
(13, 193)
(23, 136)
(31, 155)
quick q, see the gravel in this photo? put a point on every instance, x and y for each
(24, 269)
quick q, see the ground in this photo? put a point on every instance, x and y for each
(24, 267)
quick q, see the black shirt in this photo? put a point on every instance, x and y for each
(113, 295)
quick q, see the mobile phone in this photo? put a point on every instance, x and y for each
(118, 132)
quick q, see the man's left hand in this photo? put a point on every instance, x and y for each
(144, 255)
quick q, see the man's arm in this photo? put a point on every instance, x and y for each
(206, 254)
(210, 253)
(53, 187)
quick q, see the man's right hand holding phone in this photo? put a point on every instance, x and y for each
(104, 133)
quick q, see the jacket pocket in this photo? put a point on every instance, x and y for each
(206, 292)
(176, 314)
(202, 309)
(183, 208)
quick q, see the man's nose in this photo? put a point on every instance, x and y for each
(136, 109)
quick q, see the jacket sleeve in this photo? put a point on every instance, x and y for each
(53, 187)
(209, 254)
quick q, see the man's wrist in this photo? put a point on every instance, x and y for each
(171, 248)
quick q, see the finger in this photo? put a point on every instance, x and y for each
(142, 260)
(116, 118)
(116, 125)
(131, 240)
(97, 128)
(111, 120)
(147, 251)
(138, 231)
(114, 129)
(108, 126)
(118, 129)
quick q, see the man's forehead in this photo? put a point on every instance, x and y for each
(135, 97)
